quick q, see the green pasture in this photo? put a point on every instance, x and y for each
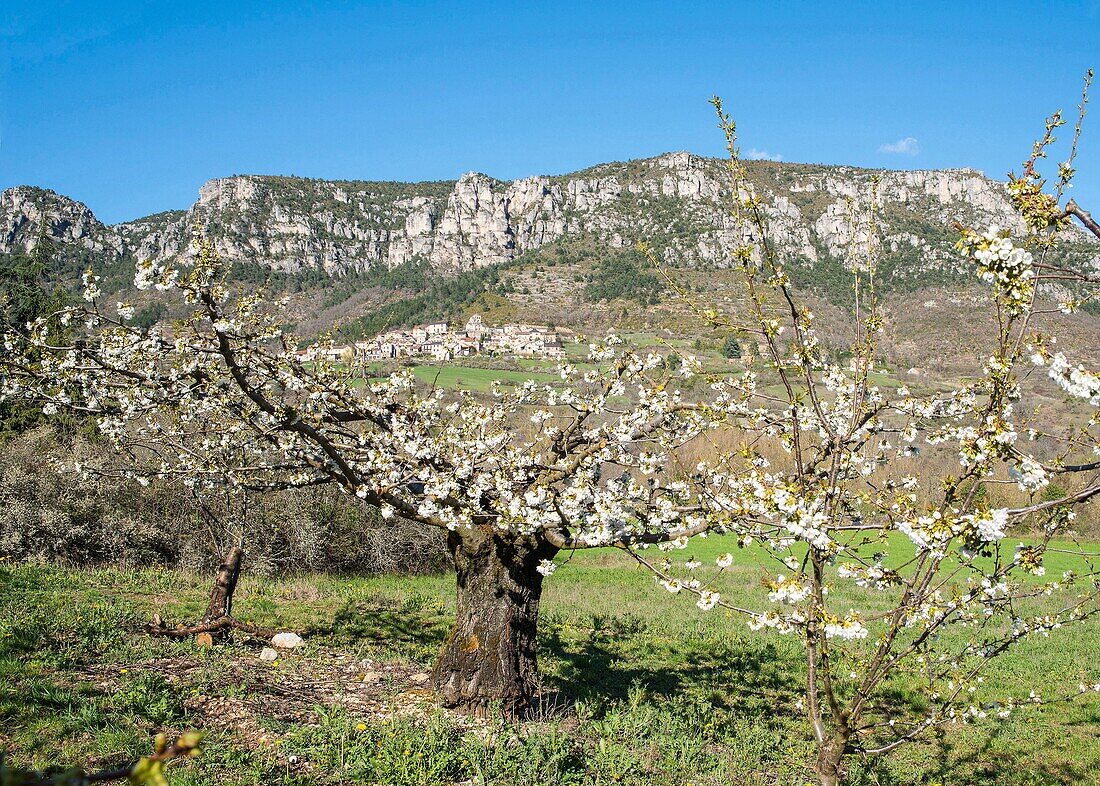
(1062, 554)
(477, 379)
(665, 693)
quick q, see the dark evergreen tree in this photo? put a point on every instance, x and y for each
(26, 293)
(732, 348)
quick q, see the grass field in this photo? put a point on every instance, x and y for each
(665, 694)
(477, 379)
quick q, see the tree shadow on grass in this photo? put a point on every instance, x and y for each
(38, 697)
(981, 757)
(619, 654)
(38, 711)
(751, 678)
(410, 634)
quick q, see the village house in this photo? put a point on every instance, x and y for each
(332, 354)
(440, 341)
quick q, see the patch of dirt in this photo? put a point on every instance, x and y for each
(236, 690)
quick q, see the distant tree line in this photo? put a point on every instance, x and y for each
(625, 274)
(439, 297)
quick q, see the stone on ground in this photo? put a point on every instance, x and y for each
(286, 641)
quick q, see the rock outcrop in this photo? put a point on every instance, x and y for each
(25, 211)
(677, 202)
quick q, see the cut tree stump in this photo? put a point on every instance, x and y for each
(225, 584)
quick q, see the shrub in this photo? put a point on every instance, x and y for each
(51, 515)
(624, 275)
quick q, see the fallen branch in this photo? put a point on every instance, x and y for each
(221, 625)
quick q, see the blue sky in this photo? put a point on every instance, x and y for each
(131, 106)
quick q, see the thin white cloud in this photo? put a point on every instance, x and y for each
(762, 155)
(908, 146)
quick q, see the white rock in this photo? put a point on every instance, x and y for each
(269, 654)
(286, 641)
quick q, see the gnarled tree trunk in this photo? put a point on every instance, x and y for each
(490, 654)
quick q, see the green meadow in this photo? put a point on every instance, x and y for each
(660, 692)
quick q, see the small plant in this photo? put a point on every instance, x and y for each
(151, 696)
(147, 771)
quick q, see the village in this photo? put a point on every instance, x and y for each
(442, 341)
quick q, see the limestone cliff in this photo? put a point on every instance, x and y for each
(676, 202)
(25, 211)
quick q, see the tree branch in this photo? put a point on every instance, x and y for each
(1082, 215)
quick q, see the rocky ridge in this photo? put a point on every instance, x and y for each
(676, 201)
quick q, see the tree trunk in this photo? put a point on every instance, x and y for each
(225, 584)
(829, 757)
(490, 654)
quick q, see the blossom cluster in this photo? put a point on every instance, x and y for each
(223, 398)
(1008, 267)
(1077, 381)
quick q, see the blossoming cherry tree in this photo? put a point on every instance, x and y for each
(222, 399)
(881, 570)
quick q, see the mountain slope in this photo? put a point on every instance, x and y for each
(676, 202)
(359, 257)
(23, 209)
